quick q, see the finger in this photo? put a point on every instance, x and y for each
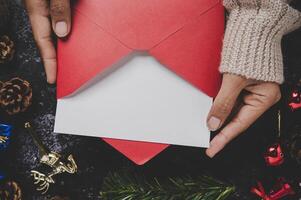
(42, 33)
(60, 17)
(247, 115)
(223, 104)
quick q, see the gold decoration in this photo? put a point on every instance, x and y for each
(51, 159)
(3, 139)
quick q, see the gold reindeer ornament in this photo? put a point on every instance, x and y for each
(51, 159)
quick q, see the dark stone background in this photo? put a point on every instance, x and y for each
(241, 163)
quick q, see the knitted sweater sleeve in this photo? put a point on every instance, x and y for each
(252, 41)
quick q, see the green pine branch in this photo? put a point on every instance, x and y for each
(125, 187)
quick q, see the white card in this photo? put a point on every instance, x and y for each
(138, 99)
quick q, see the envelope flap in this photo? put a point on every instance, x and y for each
(138, 24)
(138, 152)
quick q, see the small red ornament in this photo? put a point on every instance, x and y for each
(295, 100)
(274, 155)
(281, 190)
(260, 191)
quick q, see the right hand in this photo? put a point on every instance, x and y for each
(45, 16)
(255, 98)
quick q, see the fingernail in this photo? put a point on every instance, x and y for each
(216, 145)
(213, 123)
(61, 29)
(211, 151)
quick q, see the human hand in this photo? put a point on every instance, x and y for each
(256, 98)
(45, 16)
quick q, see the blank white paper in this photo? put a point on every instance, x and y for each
(138, 99)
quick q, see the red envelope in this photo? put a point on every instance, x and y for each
(185, 36)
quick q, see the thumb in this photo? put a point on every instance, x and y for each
(226, 98)
(61, 17)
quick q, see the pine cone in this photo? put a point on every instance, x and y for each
(11, 191)
(15, 96)
(7, 49)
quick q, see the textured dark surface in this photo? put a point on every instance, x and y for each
(240, 163)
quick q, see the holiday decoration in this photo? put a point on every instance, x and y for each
(51, 159)
(295, 98)
(282, 189)
(15, 96)
(274, 155)
(5, 133)
(6, 49)
(121, 186)
(10, 191)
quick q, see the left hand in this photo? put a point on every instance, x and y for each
(257, 97)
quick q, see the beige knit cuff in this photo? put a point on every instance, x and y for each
(252, 42)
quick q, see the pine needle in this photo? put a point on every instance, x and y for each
(124, 187)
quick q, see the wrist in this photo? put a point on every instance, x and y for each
(252, 42)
